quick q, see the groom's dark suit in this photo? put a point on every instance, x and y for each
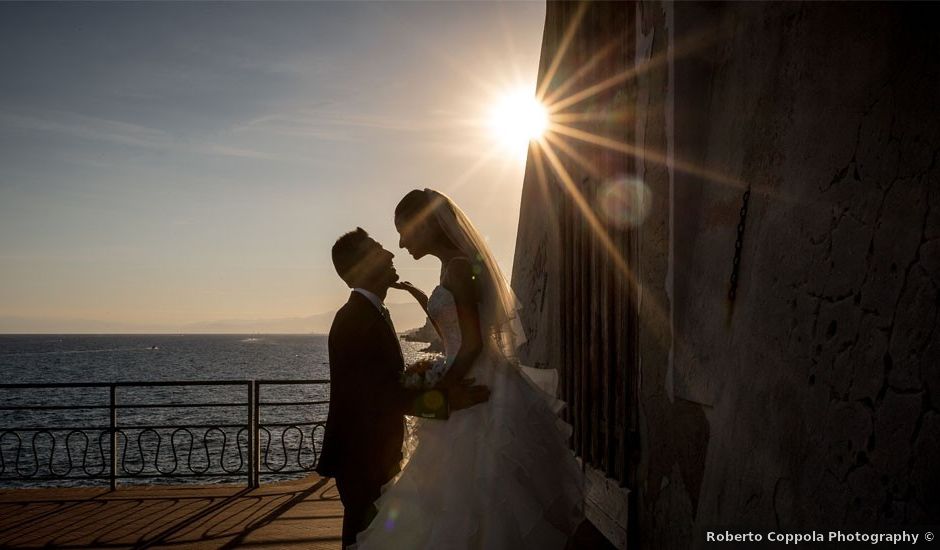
(365, 427)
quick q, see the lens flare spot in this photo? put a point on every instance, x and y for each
(433, 400)
(390, 520)
(624, 202)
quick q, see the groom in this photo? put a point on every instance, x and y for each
(365, 426)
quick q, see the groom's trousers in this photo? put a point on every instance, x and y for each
(358, 496)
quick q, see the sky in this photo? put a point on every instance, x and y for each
(164, 164)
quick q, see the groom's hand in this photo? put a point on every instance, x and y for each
(465, 394)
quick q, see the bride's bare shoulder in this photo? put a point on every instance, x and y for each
(460, 277)
(457, 268)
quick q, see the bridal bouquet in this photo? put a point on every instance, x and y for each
(424, 373)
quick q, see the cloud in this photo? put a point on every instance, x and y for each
(287, 125)
(79, 126)
(339, 126)
(121, 133)
(226, 151)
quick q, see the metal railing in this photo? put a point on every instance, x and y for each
(132, 441)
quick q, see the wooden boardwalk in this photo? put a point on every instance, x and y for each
(296, 514)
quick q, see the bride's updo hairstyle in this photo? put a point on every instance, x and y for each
(413, 203)
(416, 211)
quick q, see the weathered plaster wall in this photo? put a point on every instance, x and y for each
(820, 385)
(815, 401)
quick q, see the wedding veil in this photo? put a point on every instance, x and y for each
(498, 306)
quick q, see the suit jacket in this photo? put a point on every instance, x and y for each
(365, 426)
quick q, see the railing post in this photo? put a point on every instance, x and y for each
(114, 438)
(253, 460)
(257, 459)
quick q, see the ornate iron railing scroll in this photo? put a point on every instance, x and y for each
(62, 433)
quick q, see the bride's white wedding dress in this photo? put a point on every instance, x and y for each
(494, 476)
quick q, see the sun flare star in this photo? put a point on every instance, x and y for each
(517, 118)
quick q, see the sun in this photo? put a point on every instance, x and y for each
(517, 118)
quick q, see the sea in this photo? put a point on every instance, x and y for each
(187, 434)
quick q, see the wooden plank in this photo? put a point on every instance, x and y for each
(607, 506)
(576, 333)
(565, 308)
(598, 365)
(584, 302)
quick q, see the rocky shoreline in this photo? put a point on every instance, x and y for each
(426, 334)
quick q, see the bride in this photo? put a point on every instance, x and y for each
(496, 476)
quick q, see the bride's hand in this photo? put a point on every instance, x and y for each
(411, 289)
(405, 285)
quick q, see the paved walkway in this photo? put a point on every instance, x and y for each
(296, 514)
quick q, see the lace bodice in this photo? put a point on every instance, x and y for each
(442, 309)
(443, 312)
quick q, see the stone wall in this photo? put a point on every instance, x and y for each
(813, 400)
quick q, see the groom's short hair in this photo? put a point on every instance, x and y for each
(347, 252)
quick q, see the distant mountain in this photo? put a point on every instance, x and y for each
(54, 325)
(406, 316)
(318, 324)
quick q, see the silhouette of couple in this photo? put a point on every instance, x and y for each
(485, 463)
